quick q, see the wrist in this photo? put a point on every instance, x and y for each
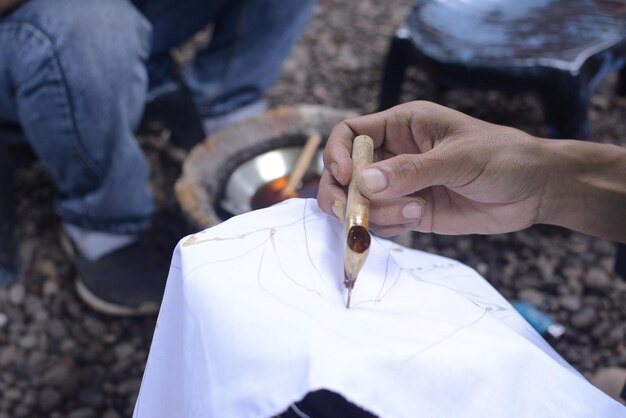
(585, 187)
(555, 173)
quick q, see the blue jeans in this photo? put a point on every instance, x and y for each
(73, 75)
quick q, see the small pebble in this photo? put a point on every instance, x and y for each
(13, 394)
(94, 326)
(48, 270)
(482, 269)
(50, 288)
(584, 319)
(570, 302)
(91, 396)
(124, 350)
(129, 387)
(21, 411)
(56, 329)
(111, 414)
(597, 279)
(57, 375)
(7, 354)
(464, 244)
(618, 334)
(28, 341)
(17, 294)
(4, 319)
(109, 338)
(534, 296)
(82, 413)
(49, 399)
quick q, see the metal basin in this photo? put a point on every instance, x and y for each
(259, 171)
(221, 175)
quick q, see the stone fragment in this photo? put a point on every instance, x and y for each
(13, 394)
(91, 397)
(50, 287)
(534, 296)
(124, 350)
(618, 335)
(129, 387)
(49, 399)
(28, 341)
(597, 279)
(584, 319)
(56, 329)
(17, 294)
(7, 354)
(82, 413)
(94, 326)
(572, 303)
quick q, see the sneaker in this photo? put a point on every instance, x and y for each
(130, 280)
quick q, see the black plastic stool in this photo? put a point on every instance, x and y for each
(558, 49)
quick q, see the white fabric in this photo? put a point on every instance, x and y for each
(253, 318)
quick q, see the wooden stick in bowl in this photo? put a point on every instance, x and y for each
(302, 165)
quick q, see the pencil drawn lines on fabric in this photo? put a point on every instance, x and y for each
(382, 292)
(431, 274)
(306, 242)
(259, 280)
(447, 337)
(304, 221)
(416, 273)
(194, 240)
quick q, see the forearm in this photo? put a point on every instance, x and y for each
(586, 188)
(8, 5)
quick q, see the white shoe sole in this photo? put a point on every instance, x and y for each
(113, 309)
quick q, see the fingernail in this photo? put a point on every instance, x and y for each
(338, 210)
(333, 169)
(412, 210)
(374, 179)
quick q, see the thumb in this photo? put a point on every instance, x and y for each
(404, 174)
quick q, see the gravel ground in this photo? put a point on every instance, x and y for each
(59, 359)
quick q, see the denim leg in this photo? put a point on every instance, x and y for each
(174, 21)
(72, 73)
(251, 39)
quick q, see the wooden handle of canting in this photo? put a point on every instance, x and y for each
(357, 207)
(302, 165)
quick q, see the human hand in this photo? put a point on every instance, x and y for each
(438, 170)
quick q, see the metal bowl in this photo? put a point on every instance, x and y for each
(247, 178)
(221, 175)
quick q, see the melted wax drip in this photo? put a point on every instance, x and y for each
(269, 193)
